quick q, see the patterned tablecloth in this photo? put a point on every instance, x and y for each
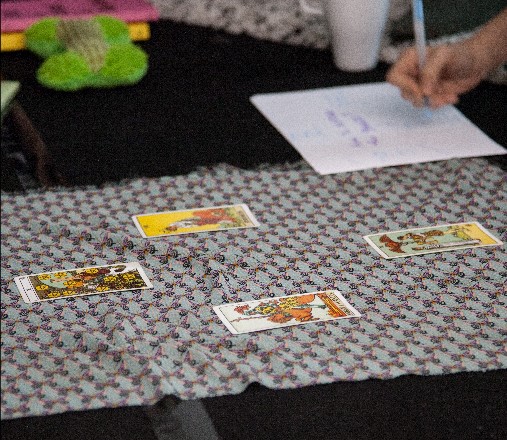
(430, 314)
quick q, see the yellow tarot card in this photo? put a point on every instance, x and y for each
(187, 221)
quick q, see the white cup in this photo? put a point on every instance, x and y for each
(356, 28)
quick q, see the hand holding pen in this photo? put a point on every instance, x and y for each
(447, 71)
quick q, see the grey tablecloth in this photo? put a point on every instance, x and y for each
(430, 314)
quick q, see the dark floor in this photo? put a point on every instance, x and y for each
(457, 406)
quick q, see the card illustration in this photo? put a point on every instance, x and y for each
(187, 221)
(417, 241)
(83, 281)
(252, 316)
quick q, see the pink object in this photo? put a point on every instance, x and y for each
(18, 15)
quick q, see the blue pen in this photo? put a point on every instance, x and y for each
(420, 36)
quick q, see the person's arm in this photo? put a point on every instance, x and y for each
(453, 69)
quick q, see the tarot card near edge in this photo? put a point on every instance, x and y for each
(416, 241)
(251, 316)
(82, 281)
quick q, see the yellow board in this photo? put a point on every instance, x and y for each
(11, 41)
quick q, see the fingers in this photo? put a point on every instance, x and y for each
(448, 72)
(437, 60)
(441, 100)
(448, 91)
(417, 100)
(404, 74)
(438, 80)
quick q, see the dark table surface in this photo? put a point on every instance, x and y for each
(193, 109)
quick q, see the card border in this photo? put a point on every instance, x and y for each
(430, 251)
(243, 205)
(233, 330)
(26, 297)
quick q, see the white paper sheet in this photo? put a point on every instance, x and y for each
(350, 128)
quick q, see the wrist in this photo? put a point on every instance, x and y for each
(484, 56)
(489, 45)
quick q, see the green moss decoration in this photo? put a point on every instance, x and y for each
(85, 53)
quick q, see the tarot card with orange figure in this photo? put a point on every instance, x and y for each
(284, 311)
(451, 237)
(83, 281)
(186, 221)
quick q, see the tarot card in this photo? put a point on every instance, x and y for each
(284, 311)
(417, 241)
(83, 281)
(186, 221)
